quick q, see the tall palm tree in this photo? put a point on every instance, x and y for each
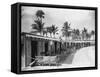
(65, 29)
(54, 29)
(88, 36)
(39, 25)
(84, 33)
(77, 33)
(49, 30)
(40, 14)
(45, 31)
(74, 36)
(92, 32)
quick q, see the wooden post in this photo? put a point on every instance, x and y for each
(23, 53)
(27, 51)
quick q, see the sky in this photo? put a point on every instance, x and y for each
(78, 18)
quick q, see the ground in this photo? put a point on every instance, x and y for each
(84, 57)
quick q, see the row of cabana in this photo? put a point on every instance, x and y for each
(36, 45)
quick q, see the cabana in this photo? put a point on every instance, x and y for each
(35, 45)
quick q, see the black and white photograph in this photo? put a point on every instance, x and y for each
(57, 38)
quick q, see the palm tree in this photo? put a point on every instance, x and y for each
(45, 31)
(84, 33)
(74, 36)
(92, 32)
(88, 36)
(39, 25)
(49, 30)
(77, 33)
(54, 29)
(65, 29)
(40, 14)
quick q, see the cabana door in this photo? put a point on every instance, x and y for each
(34, 49)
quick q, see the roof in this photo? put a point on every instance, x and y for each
(39, 36)
(54, 39)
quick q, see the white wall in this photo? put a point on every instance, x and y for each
(5, 42)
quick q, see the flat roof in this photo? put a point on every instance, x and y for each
(41, 37)
(54, 39)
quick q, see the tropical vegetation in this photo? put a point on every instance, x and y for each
(67, 31)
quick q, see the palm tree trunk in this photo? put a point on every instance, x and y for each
(50, 35)
(54, 35)
(41, 33)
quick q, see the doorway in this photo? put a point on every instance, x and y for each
(33, 49)
(46, 48)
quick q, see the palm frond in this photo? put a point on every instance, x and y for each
(34, 26)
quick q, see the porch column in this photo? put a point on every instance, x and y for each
(27, 52)
(23, 52)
